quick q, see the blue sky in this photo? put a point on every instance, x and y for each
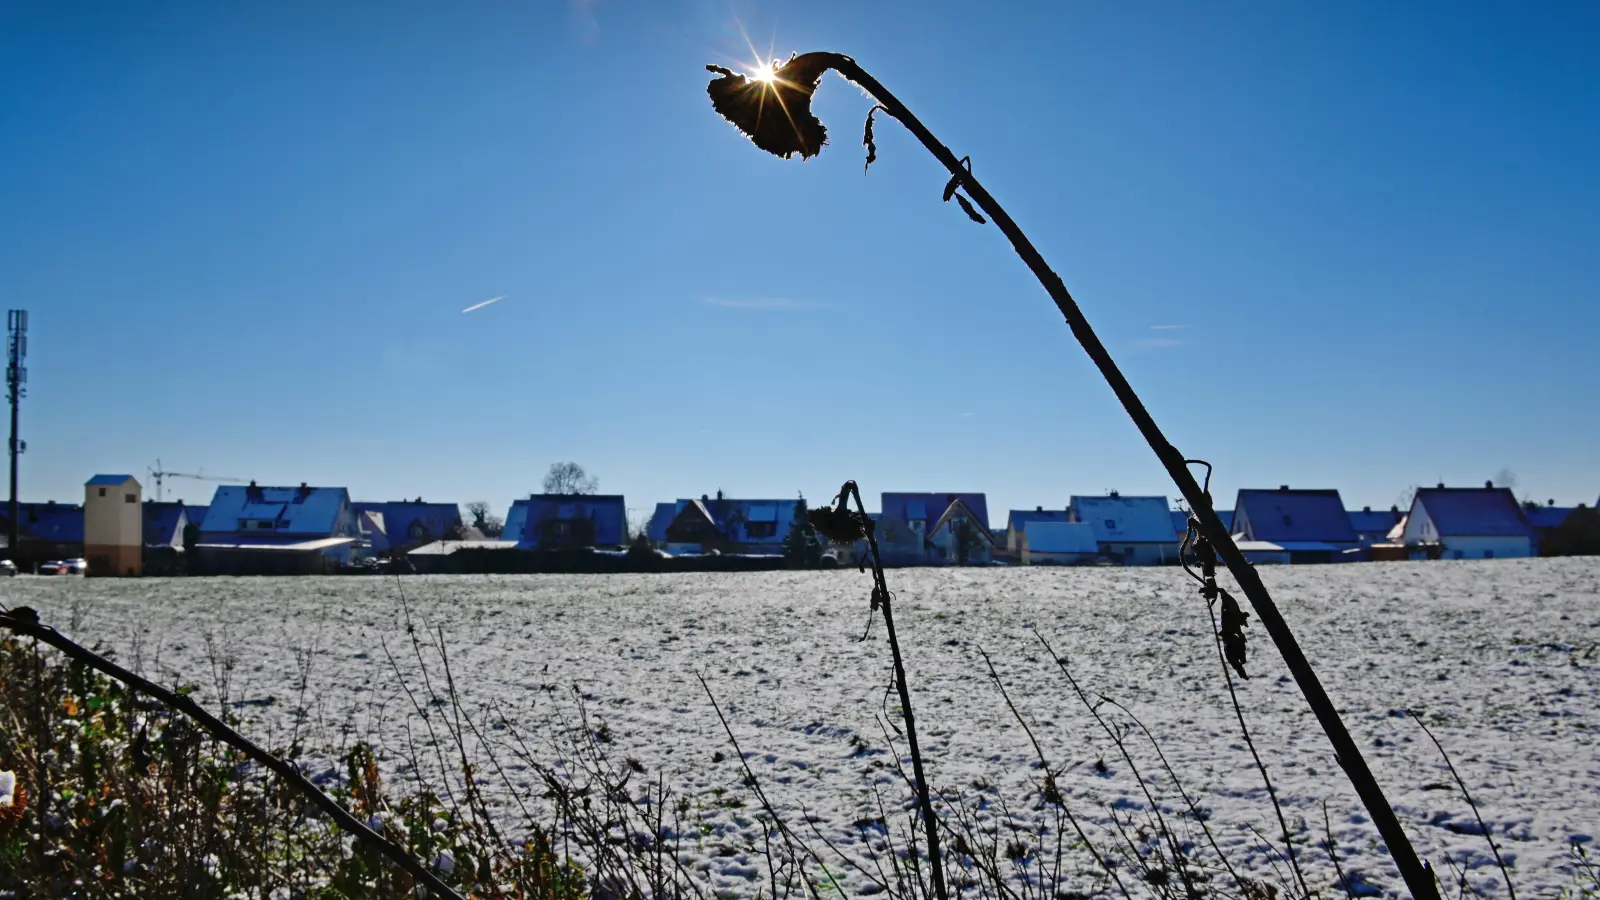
(1341, 245)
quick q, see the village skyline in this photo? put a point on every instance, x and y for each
(268, 233)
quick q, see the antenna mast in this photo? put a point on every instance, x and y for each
(16, 389)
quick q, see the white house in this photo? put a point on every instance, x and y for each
(1466, 523)
(1135, 531)
(1050, 543)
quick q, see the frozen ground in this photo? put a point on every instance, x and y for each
(1499, 656)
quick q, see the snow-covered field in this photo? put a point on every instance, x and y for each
(1499, 657)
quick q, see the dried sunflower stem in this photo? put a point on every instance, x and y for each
(1418, 877)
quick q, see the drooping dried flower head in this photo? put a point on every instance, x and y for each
(839, 525)
(772, 106)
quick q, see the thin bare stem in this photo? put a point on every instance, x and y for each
(1487, 835)
(1416, 872)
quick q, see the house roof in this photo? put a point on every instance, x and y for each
(723, 512)
(402, 522)
(659, 520)
(163, 522)
(1061, 537)
(1547, 516)
(609, 513)
(957, 508)
(1374, 521)
(298, 511)
(1019, 519)
(930, 506)
(1294, 515)
(196, 514)
(56, 523)
(1129, 520)
(278, 545)
(1474, 512)
(1180, 521)
(109, 480)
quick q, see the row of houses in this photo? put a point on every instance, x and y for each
(255, 529)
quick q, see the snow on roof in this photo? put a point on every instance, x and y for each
(302, 510)
(1294, 515)
(904, 507)
(278, 546)
(1474, 512)
(445, 548)
(1060, 537)
(1131, 520)
(1019, 519)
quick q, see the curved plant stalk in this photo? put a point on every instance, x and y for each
(842, 526)
(23, 620)
(776, 115)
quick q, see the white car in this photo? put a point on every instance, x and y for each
(7, 568)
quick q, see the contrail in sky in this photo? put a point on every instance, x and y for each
(483, 304)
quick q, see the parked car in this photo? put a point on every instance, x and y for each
(74, 567)
(53, 567)
(7, 568)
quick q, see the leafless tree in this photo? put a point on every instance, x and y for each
(488, 525)
(569, 478)
(1505, 478)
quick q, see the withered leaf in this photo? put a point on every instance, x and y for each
(866, 138)
(950, 187)
(966, 207)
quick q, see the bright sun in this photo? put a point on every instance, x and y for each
(764, 72)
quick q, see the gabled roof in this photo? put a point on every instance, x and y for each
(56, 523)
(1295, 516)
(1474, 512)
(725, 512)
(196, 514)
(1126, 520)
(109, 480)
(163, 522)
(1547, 516)
(406, 522)
(1061, 537)
(609, 513)
(659, 520)
(516, 521)
(298, 511)
(1020, 519)
(1180, 521)
(928, 507)
(958, 509)
(1374, 521)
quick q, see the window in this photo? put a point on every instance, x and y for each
(1289, 521)
(1488, 554)
(1111, 524)
(102, 492)
(761, 529)
(130, 498)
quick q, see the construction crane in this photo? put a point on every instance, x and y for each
(160, 475)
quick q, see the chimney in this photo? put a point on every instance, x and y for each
(705, 498)
(1283, 487)
(1038, 509)
(1395, 508)
(1550, 503)
(1366, 509)
(719, 493)
(1113, 495)
(1488, 484)
(1441, 485)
